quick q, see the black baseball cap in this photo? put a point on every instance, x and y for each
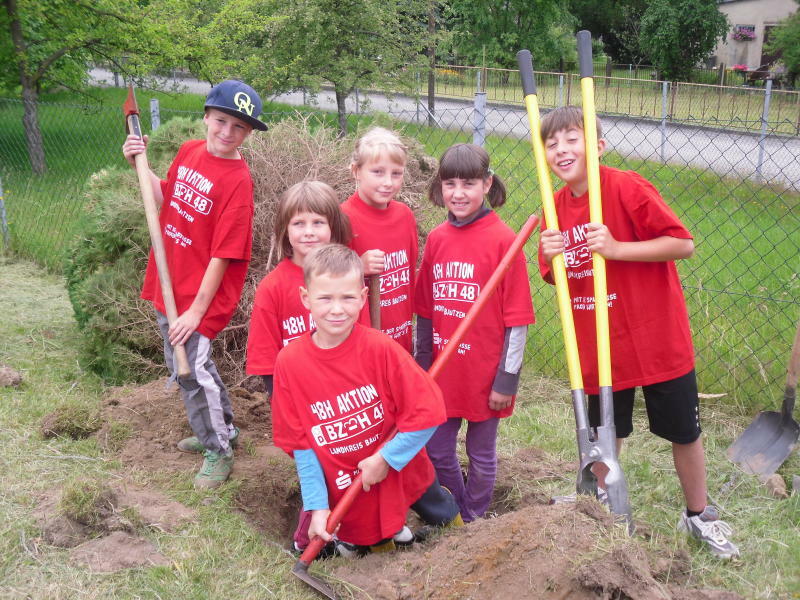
(237, 99)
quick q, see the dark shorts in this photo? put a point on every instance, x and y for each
(673, 410)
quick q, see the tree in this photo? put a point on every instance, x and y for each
(491, 32)
(54, 42)
(678, 34)
(348, 43)
(628, 33)
(785, 38)
(615, 22)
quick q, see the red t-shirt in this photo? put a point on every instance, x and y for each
(394, 231)
(649, 325)
(342, 402)
(278, 317)
(456, 264)
(207, 213)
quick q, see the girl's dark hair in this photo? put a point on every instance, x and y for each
(314, 197)
(466, 161)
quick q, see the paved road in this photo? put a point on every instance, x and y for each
(775, 160)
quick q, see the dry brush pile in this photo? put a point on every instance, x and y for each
(106, 262)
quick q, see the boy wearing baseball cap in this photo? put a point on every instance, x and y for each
(206, 216)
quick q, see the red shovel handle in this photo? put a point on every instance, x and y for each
(341, 508)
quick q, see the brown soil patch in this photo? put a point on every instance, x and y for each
(559, 552)
(130, 508)
(547, 552)
(9, 377)
(117, 551)
(517, 476)
(269, 493)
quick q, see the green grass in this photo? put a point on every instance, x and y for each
(220, 556)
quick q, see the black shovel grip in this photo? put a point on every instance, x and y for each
(525, 62)
(585, 53)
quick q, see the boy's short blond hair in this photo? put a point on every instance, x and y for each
(565, 117)
(314, 197)
(378, 142)
(331, 259)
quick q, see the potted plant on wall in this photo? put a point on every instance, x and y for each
(744, 34)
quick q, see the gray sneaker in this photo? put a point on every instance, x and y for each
(602, 497)
(192, 444)
(215, 470)
(711, 530)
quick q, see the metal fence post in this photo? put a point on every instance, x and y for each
(664, 94)
(416, 98)
(763, 136)
(561, 90)
(479, 116)
(3, 221)
(569, 86)
(155, 114)
(357, 100)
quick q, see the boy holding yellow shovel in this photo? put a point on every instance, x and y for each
(640, 238)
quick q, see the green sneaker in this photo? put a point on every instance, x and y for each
(215, 470)
(192, 444)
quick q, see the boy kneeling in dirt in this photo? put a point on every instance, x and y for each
(338, 392)
(651, 344)
(206, 217)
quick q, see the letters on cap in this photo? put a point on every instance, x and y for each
(237, 99)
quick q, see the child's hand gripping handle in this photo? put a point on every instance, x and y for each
(154, 226)
(341, 508)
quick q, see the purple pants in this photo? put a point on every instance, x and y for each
(474, 495)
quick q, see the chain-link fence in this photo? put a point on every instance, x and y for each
(734, 105)
(737, 191)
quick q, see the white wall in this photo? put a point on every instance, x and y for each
(758, 13)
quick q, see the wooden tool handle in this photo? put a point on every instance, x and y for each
(157, 242)
(790, 392)
(375, 301)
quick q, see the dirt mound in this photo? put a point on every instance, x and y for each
(9, 377)
(154, 420)
(547, 552)
(117, 551)
(113, 540)
(564, 551)
(518, 474)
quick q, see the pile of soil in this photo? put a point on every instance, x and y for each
(269, 494)
(563, 551)
(9, 377)
(547, 552)
(115, 541)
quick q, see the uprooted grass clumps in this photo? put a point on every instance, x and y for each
(87, 501)
(105, 265)
(112, 436)
(76, 420)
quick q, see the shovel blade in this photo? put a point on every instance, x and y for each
(765, 444)
(300, 570)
